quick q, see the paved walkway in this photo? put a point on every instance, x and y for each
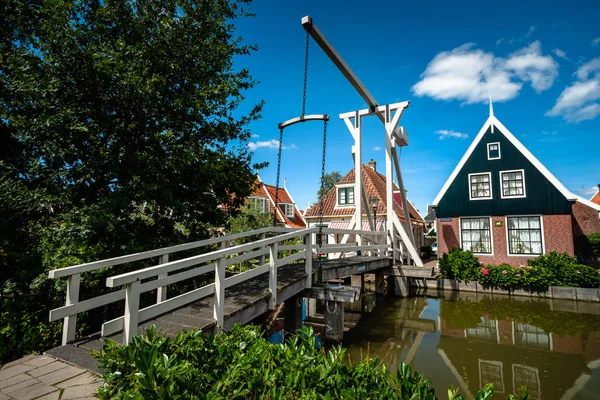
(44, 377)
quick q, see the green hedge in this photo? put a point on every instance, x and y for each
(242, 364)
(553, 269)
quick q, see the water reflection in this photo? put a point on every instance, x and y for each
(550, 346)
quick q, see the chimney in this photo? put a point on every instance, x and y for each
(373, 165)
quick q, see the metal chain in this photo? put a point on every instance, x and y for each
(305, 76)
(321, 202)
(278, 171)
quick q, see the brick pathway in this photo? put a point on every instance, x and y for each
(44, 377)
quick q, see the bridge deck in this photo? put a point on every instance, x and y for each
(243, 303)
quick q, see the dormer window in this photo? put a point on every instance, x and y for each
(493, 150)
(345, 196)
(259, 203)
(288, 209)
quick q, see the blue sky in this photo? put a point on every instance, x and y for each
(540, 62)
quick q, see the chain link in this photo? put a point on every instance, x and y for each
(278, 172)
(321, 202)
(305, 76)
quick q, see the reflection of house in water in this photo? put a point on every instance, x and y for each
(512, 354)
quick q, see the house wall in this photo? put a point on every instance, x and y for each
(558, 236)
(585, 219)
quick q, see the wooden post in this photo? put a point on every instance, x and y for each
(334, 321)
(401, 287)
(358, 176)
(219, 297)
(357, 281)
(273, 254)
(308, 261)
(70, 322)
(161, 292)
(292, 314)
(379, 284)
(262, 258)
(132, 311)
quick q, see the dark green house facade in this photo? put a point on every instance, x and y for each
(503, 204)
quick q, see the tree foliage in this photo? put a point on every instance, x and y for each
(329, 180)
(120, 127)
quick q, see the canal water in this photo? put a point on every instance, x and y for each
(465, 339)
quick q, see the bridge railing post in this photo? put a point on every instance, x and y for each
(219, 297)
(132, 311)
(161, 292)
(262, 258)
(70, 322)
(273, 254)
(308, 261)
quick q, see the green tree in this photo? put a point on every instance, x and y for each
(249, 218)
(120, 128)
(329, 181)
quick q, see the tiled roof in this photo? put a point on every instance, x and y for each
(284, 197)
(596, 198)
(374, 186)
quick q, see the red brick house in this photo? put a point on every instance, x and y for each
(287, 213)
(504, 205)
(596, 198)
(338, 205)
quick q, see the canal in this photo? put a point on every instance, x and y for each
(465, 339)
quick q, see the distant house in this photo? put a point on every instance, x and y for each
(596, 198)
(504, 205)
(263, 197)
(338, 205)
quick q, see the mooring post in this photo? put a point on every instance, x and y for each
(292, 314)
(334, 321)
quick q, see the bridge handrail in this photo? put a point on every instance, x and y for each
(91, 266)
(129, 277)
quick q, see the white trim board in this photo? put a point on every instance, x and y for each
(492, 120)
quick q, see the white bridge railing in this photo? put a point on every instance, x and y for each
(170, 272)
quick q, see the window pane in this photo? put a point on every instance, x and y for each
(525, 235)
(342, 196)
(350, 195)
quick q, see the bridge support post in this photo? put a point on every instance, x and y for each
(161, 292)
(292, 314)
(334, 321)
(132, 311)
(70, 322)
(358, 281)
(401, 287)
(379, 284)
(273, 254)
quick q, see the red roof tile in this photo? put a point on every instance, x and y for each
(270, 192)
(596, 198)
(374, 186)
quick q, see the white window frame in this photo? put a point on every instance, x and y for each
(286, 207)
(264, 201)
(497, 364)
(507, 237)
(337, 195)
(488, 151)
(520, 196)
(491, 187)
(491, 234)
(532, 369)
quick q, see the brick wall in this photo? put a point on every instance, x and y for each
(558, 236)
(585, 220)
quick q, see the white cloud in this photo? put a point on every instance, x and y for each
(269, 144)
(499, 41)
(254, 136)
(588, 192)
(445, 133)
(579, 101)
(596, 41)
(560, 53)
(524, 37)
(376, 148)
(472, 75)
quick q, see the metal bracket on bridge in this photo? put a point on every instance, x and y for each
(343, 294)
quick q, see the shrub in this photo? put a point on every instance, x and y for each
(242, 364)
(459, 264)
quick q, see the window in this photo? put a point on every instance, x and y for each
(524, 235)
(493, 151)
(260, 203)
(476, 235)
(288, 209)
(487, 329)
(513, 183)
(531, 336)
(529, 377)
(491, 372)
(346, 195)
(480, 186)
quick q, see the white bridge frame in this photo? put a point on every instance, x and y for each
(167, 272)
(394, 134)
